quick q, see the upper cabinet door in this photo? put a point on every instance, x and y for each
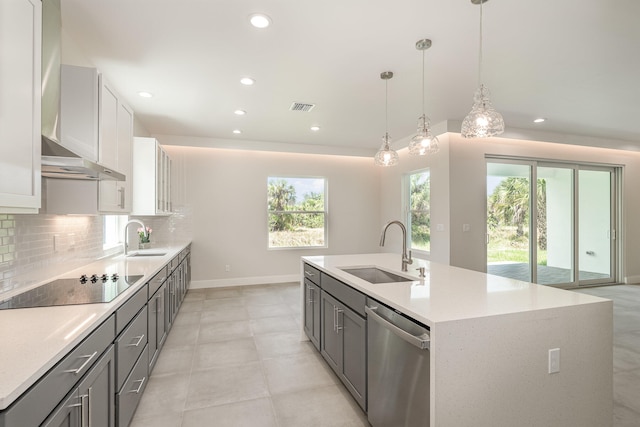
(20, 62)
(108, 123)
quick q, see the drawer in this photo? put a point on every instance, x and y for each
(129, 345)
(312, 274)
(345, 293)
(157, 281)
(128, 398)
(129, 309)
(36, 404)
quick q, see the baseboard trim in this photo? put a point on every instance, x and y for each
(630, 280)
(244, 281)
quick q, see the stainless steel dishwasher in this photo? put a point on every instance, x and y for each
(398, 369)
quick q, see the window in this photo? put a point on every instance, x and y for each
(417, 206)
(296, 212)
(112, 230)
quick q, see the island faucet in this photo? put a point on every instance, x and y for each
(406, 260)
(126, 235)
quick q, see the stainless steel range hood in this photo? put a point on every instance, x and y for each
(58, 161)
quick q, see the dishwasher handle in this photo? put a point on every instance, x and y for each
(423, 341)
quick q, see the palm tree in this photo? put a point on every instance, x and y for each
(281, 197)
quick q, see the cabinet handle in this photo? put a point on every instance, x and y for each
(338, 327)
(89, 406)
(335, 319)
(84, 365)
(310, 300)
(137, 391)
(140, 338)
(121, 191)
(308, 274)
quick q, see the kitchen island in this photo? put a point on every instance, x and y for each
(36, 339)
(490, 343)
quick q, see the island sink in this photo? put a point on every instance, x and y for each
(375, 275)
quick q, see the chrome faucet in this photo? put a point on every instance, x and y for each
(406, 260)
(126, 235)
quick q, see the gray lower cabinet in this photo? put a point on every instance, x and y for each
(92, 402)
(129, 396)
(312, 312)
(157, 325)
(344, 345)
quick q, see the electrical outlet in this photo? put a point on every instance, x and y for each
(554, 360)
(227, 267)
(439, 227)
(466, 227)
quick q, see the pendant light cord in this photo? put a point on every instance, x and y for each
(480, 49)
(386, 108)
(423, 82)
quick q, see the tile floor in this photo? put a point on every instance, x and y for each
(626, 351)
(234, 358)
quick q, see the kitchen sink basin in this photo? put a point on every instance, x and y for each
(137, 254)
(375, 275)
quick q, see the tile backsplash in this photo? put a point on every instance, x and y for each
(34, 248)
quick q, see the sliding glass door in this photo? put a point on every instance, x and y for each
(551, 223)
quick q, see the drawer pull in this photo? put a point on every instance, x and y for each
(137, 391)
(84, 365)
(309, 274)
(140, 338)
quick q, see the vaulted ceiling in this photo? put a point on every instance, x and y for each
(574, 62)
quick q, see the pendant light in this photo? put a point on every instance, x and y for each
(483, 120)
(424, 142)
(386, 156)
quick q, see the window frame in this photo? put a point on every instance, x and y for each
(406, 206)
(118, 224)
(324, 212)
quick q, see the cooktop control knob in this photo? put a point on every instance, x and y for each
(105, 277)
(94, 278)
(114, 277)
(83, 279)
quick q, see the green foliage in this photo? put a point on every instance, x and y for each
(420, 198)
(282, 199)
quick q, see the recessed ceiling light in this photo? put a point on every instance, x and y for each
(240, 112)
(247, 81)
(539, 120)
(315, 128)
(237, 131)
(145, 94)
(260, 20)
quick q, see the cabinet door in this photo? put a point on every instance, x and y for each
(67, 414)
(312, 312)
(20, 58)
(125, 152)
(157, 326)
(108, 124)
(97, 393)
(354, 359)
(330, 346)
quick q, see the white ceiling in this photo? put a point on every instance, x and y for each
(574, 62)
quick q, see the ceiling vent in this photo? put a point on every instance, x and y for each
(301, 106)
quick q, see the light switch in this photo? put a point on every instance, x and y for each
(439, 227)
(554, 360)
(466, 227)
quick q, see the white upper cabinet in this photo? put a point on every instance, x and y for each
(97, 125)
(151, 178)
(116, 139)
(20, 140)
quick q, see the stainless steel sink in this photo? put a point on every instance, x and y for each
(375, 275)
(137, 254)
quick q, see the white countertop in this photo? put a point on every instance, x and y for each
(35, 339)
(447, 293)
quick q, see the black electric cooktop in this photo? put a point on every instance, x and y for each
(84, 290)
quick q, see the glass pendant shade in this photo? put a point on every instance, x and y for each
(386, 156)
(424, 143)
(483, 121)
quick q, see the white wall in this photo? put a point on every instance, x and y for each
(226, 193)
